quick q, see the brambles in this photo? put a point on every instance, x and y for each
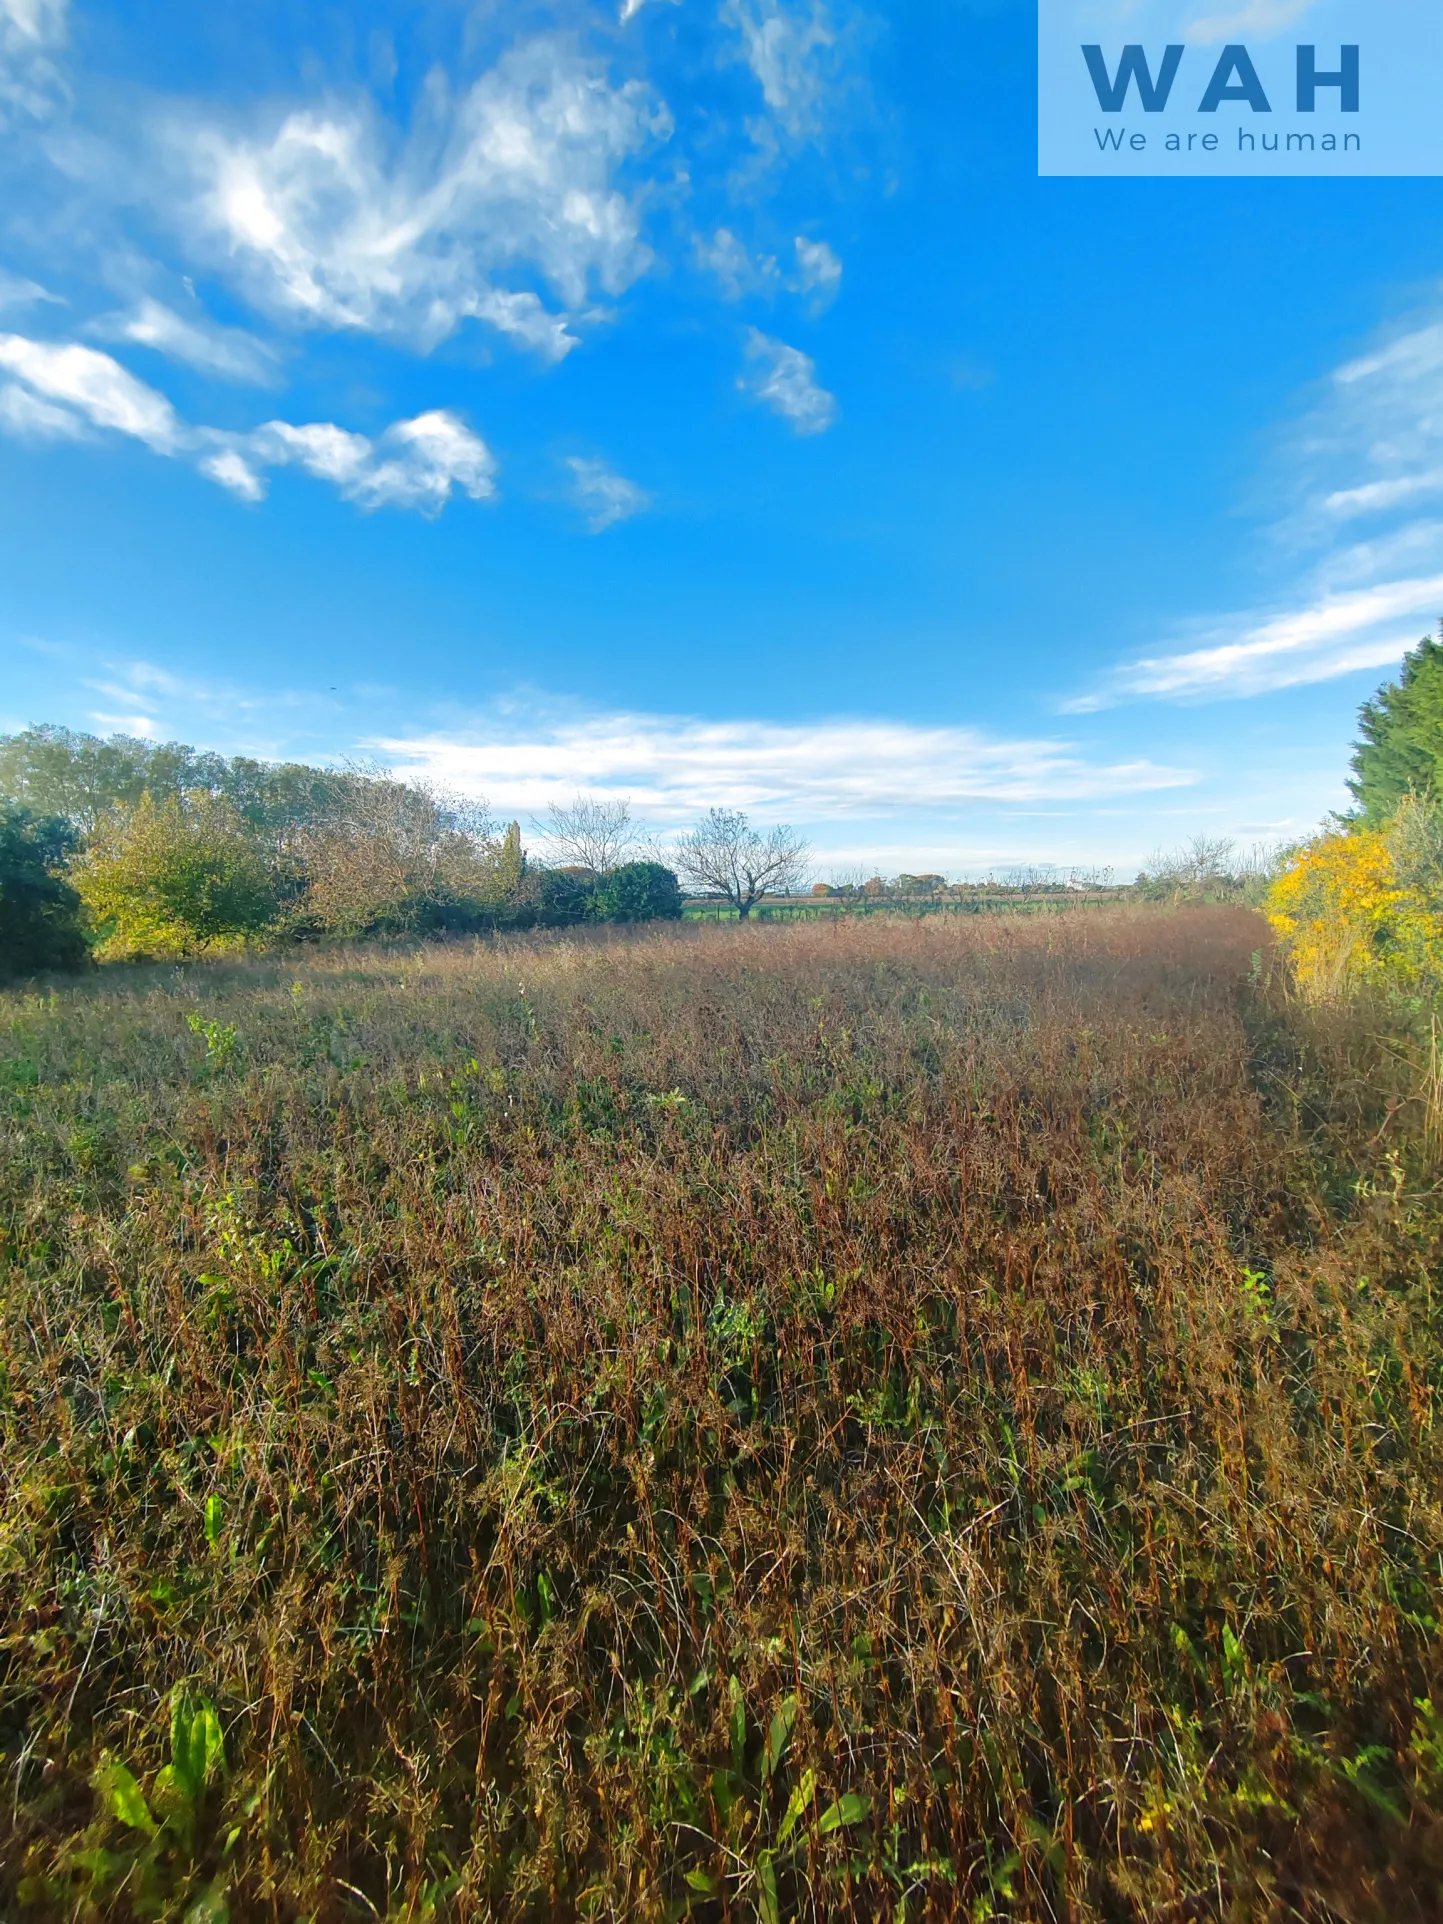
(929, 1420)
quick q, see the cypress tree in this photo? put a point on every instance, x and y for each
(1400, 747)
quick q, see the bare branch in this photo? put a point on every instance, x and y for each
(726, 856)
(589, 832)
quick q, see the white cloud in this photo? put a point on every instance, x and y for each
(526, 320)
(26, 416)
(819, 272)
(674, 767)
(1375, 497)
(16, 291)
(64, 391)
(420, 462)
(333, 220)
(229, 469)
(1338, 635)
(603, 497)
(321, 448)
(784, 379)
(1369, 450)
(1257, 18)
(791, 50)
(229, 352)
(415, 464)
(93, 388)
(30, 33)
(727, 258)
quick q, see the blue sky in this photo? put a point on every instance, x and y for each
(709, 404)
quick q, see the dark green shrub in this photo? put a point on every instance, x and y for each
(564, 896)
(39, 911)
(639, 892)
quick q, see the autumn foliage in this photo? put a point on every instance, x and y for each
(886, 1421)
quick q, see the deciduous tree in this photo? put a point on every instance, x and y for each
(726, 856)
(590, 832)
(175, 876)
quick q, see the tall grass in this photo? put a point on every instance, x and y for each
(892, 1421)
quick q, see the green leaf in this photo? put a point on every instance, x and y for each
(126, 1799)
(779, 1735)
(768, 1905)
(214, 1520)
(702, 1882)
(851, 1808)
(801, 1797)
(197, 1747)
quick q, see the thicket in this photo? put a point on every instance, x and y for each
(174, 852)
(890, 1421)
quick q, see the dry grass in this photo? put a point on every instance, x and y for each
(928, 1420)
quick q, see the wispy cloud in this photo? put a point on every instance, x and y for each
(602, 496)
(334, 220)
(229, 352)
(673, 767)
(1338, 635)
(738, 271)
(1257, 17)
(792, 50)
(31, 32)
(819, 272)
(16, 291)
(1360, 476)
(784, 379)
(66, 392)
(93, 389)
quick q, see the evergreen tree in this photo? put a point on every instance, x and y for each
(1400, 749)
(39, 911)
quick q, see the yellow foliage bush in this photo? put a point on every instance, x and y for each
(173, 877)
(1357, 908)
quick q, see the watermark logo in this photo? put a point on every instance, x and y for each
(1232, 87)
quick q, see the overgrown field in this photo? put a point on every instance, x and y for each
(894, 1421)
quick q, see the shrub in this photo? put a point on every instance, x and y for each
(563, 896)
(639, 892)
(1208, 869)
(386, 857)
(1365, 907)
(39, 911)
(175, 876)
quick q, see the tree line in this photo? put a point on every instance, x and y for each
(124, 848)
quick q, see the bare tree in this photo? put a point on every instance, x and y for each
(590, 832)
(726, 856)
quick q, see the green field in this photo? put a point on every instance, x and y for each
(879, 1420)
